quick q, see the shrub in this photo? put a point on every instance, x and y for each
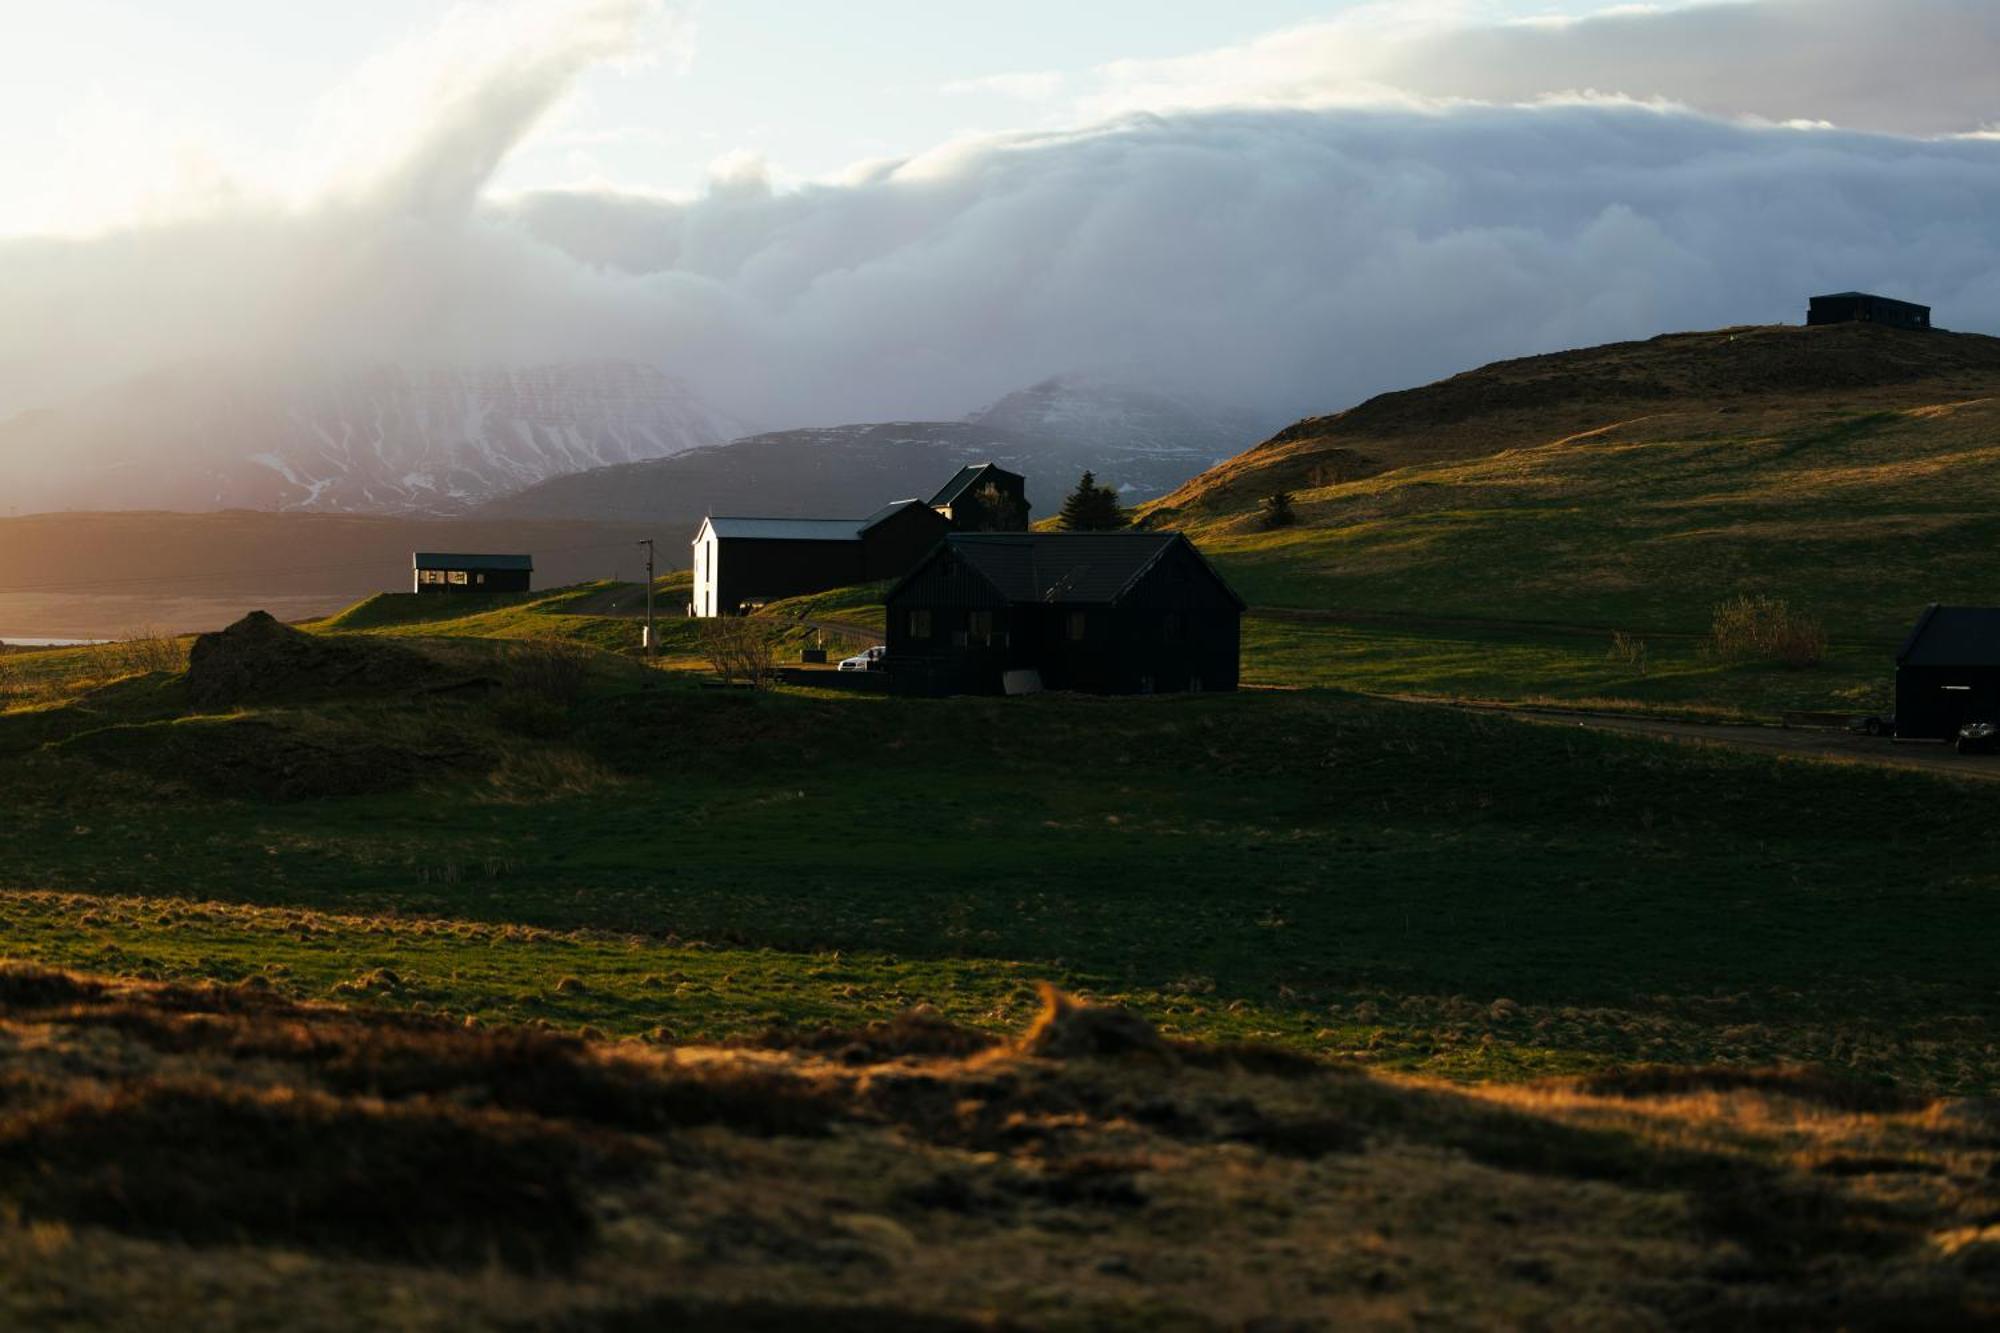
(740, 648)
(550, 668)
(1278, 512)
(1766, 629)
(143, 650)
(1629, 649)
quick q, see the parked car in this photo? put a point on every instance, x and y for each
(868, 659)
(1875, 724)
(1978, 738)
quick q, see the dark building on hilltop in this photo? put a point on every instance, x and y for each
(1101, 612)
(983, 497)
(741, 563)
(437, 571)
(1948, 672)
(1862, 308)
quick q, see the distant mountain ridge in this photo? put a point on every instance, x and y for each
(385, 439)
(1143, 442)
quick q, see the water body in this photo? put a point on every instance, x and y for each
(48, 643)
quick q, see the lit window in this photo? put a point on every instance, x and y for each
(455, 576)
(479, 578)
(920, 624)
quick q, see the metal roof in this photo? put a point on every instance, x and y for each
(887, 511)
(789, 529)
(1953, 636)
(449, 560)
(1069, 568)
(962, 480)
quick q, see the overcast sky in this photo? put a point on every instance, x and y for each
(894, 207)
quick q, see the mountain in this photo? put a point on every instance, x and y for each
(379, 440)
(1847, 468)
(1142, 442)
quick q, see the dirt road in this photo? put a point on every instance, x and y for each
(1801, 742)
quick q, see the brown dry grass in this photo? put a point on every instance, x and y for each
(176, 1153)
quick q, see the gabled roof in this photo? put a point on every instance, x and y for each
(965, 478)
(1953, 636)
(805, 529)
(887, 511)
(1066, 568)
(448, 560)
(789, 529)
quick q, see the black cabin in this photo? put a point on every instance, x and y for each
(1862, 308)
(742, 563)
(1948, 672)
(1099, 612)
(437, 571)
(982, 497)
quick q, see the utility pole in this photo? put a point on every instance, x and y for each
(648, 642)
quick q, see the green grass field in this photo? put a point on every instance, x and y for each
(1392, 883)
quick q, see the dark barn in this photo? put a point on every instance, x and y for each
(1862, 308)
(1948, 672)
(1099, 612)
(439, 571)
(983, 497)
(742, 563)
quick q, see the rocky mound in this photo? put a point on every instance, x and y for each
(259, 660)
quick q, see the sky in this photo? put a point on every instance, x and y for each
(817, 211)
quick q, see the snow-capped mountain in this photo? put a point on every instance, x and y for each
(383, 439)
(1140, 440)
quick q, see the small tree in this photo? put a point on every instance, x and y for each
(1278, 511)
(1092, 508)
(996, 511)
(740, 648)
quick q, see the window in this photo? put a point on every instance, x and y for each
(1171, 629)
(920, 623)
(479, 578)
(456, 576)
(1079, 626)
(979, 624)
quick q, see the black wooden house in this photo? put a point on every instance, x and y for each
(984, 497)
(1864, 308)
(441, 571)
(1099, 612)
(741, 563)
(1948, 672)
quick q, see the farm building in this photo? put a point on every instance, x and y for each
(438, 571)
(1948, 672)
(983, 497)
(1100, 612)
(741, 563)
(1862, 308)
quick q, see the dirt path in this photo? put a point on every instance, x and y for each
(1801, 742)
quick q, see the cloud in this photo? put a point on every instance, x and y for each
(1920, 67)
(1292, 258)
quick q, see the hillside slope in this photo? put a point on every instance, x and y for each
(1633, 485)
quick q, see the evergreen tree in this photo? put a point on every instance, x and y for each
(1278, 512)
(1092, 508)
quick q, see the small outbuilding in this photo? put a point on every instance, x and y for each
(984, 497)
(1948, 672)
(742, 563)
(1099, 612)
(1864, 308)
(437, 571)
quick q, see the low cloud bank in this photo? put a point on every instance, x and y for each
(1293, 259)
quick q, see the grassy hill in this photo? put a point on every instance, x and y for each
(1549, 501)
(629, 966)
